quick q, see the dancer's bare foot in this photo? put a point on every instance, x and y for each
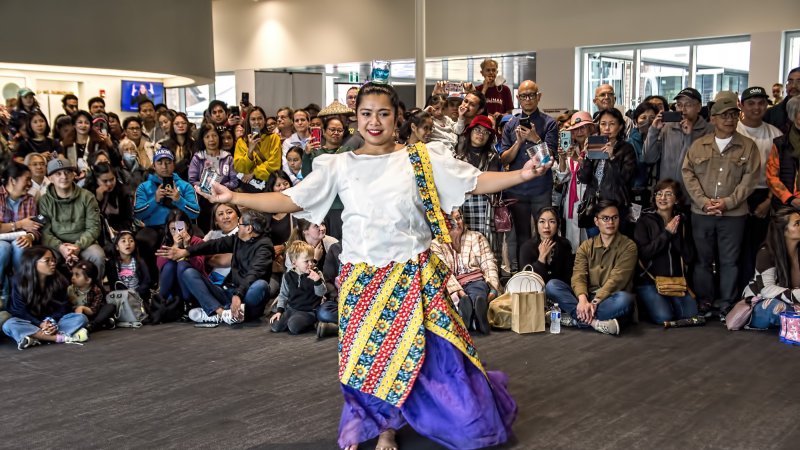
(351, 447)
(386, 441)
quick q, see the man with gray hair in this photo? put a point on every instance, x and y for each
(782, 165)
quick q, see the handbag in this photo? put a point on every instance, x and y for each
(526, 280)
(502, 215)
(739, 316)
(130, 307)
(669, 286)
(790, 327)
(586, 211)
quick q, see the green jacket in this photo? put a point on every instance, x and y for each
(74, 220)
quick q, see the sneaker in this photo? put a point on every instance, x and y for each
(79, 337)
(606, 326)
(200, 316)
(568, 321)
(27, 342)
(325, 329)
(228, 318)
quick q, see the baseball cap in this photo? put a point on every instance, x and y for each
(691, 93)
(162, 153)
(483, 121)
(753, 92)
(54, 165)
(25, 91)
(724, 104)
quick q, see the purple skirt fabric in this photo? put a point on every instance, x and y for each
(451, 403)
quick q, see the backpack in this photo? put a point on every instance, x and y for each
(130, 307)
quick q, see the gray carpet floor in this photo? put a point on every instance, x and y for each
(176, 386)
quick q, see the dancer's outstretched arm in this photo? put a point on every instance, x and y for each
(268, 202)
(491, 182)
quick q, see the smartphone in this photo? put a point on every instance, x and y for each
(317, 133)
(564, 140)
(525, 123)
(245, 98)
(595, 154)
(671, 116)
(40, 219)
(206, 325)
(255, 131)
(180, 225)
(597, 142)
(168, 181)
(235, 111)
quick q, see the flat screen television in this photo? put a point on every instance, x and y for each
(135, 91)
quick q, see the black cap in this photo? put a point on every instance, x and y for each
(691, 93)
(755, 91)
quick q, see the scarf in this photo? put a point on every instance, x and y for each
(573, 187)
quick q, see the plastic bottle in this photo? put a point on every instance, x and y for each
(555, 320)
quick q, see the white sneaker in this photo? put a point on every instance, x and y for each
(200, 316)
(228, 318)
(568, 321)
(79, 337)
(27, 342)
(606, 326)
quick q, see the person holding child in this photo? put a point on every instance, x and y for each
(301, 292)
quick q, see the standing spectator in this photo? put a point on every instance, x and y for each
(477, 148)
(300, 138)
(334, 132)
(669, 142)
(181, 143)
(498, 97)
(150, 128)
(285, 124)
(777, 115)
(777, 94)
(210, 157)
(96, 105)
(473, 104)
(70, 104)
(643, 117)
(73, 216)
(522, 133)
(783, 164)
(605, 100)
(720, 171)
(602, 278)
(217, 113)
(754, 105)
(566, 174)
(258, 153)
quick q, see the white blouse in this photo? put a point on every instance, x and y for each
(383, 217)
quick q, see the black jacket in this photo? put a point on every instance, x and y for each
(616, 182)
(659, 250)
(251, 261)
(778, 117)
(560, 267)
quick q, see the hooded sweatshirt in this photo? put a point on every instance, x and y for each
(74, 220)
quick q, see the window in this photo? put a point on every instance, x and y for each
(193, 100)
(792, 57)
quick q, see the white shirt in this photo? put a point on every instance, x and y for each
(763, 137)
(383, 217)
(216, 234)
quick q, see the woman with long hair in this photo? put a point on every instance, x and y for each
(82, 141)
(547, 252)
(181, 143)
(113, 198)
(35, 137)
(17, 209)
(258, 152)
(39, 306)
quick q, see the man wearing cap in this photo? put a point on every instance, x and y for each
(720, 171)
(522, 133)
(162, 192)
(605, 99)
(754, 104)
(26, 105)
(669, 142)
(777, 115)
(73, 216)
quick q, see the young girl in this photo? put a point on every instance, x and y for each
(87, 296)
(301, 292)
(39, 306)
(391, 281)
(125, 266)
(294, 161)
(177, 233)
(443, 126)
(417, 128)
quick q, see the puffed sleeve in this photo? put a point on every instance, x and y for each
(316, 193)
(454, 179)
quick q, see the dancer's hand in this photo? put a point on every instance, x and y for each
(533, 169)
(219, 193)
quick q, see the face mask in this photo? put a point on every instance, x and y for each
(130, 160)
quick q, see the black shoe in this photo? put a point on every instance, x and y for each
(325, 329)
(465, 310)
(482, 315)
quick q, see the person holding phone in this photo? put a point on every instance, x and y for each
(566, 173)
(18, 213)
(258, 152)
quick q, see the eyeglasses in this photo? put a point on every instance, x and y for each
(481, 132)
(134, 129)
(335, 131)
(607, 219)
(664, 194)
(528, 96)
(243, 223)
(729, 115)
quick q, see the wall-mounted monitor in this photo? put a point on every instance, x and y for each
(134, 92)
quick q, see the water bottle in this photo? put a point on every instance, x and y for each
(555, 320)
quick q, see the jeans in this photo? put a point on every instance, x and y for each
(295, 321)
(168, 280)
(18, 329)
(767, 314)
(328, 312)
(723, 236)
(10, 253)
(211, 297)
(617, 306)
(663, 309)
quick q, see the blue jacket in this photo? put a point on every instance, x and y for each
(155, 214)
(547, 129)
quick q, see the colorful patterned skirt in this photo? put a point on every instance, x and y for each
(405, 357)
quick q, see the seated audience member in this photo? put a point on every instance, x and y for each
(73, 216)
(114, 200)
(301, 292)
(601, 278)
(774, 286)
(126, 267)
(300, 138)
(17, 210)
(314, 235)
(243, 294)
(163, 192)
(37, 136)
(39, 306)
(86, 296)
(474, 280)
(294, 162)
(144, 148)
(664, 242)
(172, 272)
(37, 163)
(258, 153)
(211, 158)
(782, 165)
(328, 312)
(549, 254)
(132, 168)
(226, 223)
(566, 175)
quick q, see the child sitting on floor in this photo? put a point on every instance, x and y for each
(301, 292)
(87, 298)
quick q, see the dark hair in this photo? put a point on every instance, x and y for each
(113, 115)
(96, 100)
(247, 128)
(12, 171)
(295, 149)
(329, 119)
(257, 220)
(669, 183)
(274, 177)
(603, 204)
(214, 213)
(60, 122)
(547, 209)
(313, 107)
(660, 98)
(37, 113)
(481, 99)
(97, 170)
(776, 244)
(436, 99)
(414, 117)
(796, 69)
(68, 97)
(144, 102)
(617, 115)
(175, 215)
(92, 158)
(204, 130)
(128, 121)
(301, 225)
(94, 135)
(115, 256)
(379, 89)
(643, 108)
(79, 113)
(161, 105)
(486, 152)
(89, 269)
(214, 103)
(41, 298)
